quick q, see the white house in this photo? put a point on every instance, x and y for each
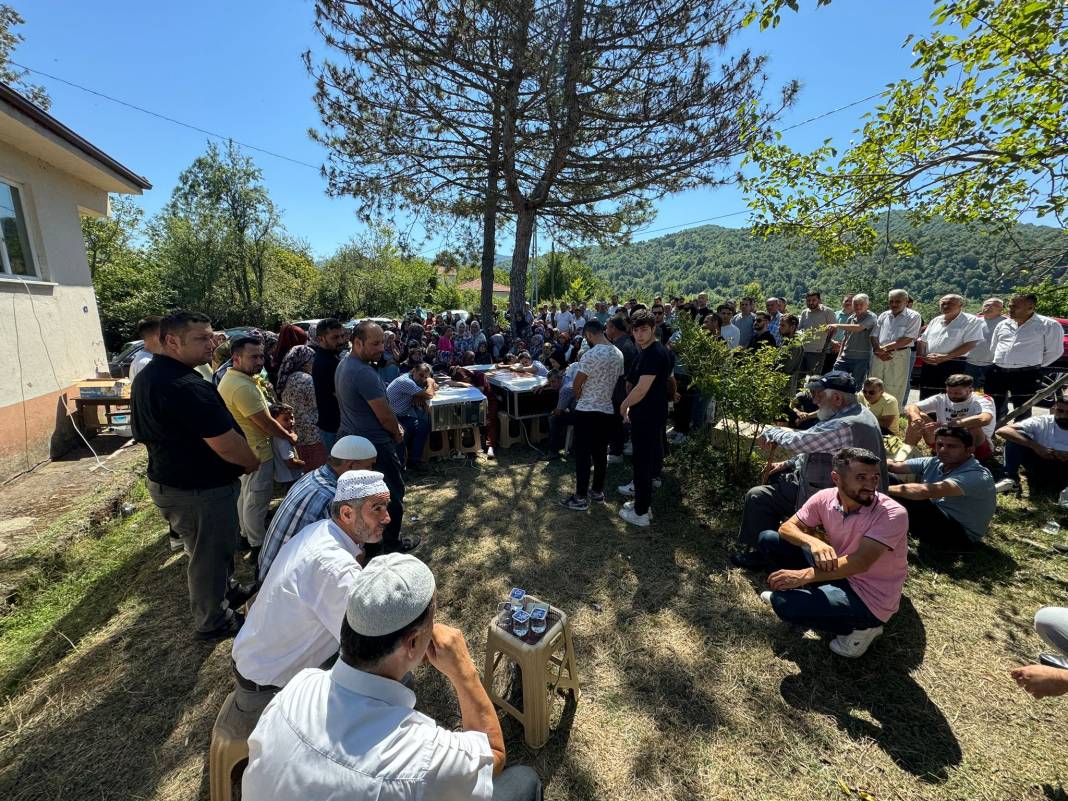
(50, 334)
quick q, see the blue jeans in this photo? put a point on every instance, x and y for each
(416, 430)
(328, 438)
(857, 367)
(832, 606)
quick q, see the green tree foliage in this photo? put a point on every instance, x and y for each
(975, 134)
(10, 74)
(562, 276)
(941, 257)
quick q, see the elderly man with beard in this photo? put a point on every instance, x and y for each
(295, 622)
(844, 423)
(838, 564)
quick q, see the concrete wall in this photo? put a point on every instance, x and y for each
(50, 333)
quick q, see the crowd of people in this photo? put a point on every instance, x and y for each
(338, 416)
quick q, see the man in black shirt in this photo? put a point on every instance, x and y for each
(617, 334)
(761, 335)
(646, 408)
(330, 337)
(196, 452)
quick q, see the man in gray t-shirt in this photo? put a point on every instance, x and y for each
(365, 411)
(815, 318)
(855, 356)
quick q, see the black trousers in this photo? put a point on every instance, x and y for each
(1017, 385)
(388, 464)
(591, 448)
(1043, 475)
(933, 527)
(933, 376)
(647, 439)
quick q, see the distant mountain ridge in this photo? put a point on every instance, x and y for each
(948, 258)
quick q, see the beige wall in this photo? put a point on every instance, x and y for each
(47, 327)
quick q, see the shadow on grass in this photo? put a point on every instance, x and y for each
(103, 724)
(904, 722)
(986, 566)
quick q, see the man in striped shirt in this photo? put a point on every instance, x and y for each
(308, 501)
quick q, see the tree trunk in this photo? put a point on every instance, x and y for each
(524, 230)
(489, 223)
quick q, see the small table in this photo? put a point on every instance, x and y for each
(86, 411)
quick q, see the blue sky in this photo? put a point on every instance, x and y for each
(234, 68)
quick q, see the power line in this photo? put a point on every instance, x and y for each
(164, 117)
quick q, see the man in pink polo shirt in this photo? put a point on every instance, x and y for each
(838, 565)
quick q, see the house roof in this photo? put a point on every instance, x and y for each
(31, 118)
(476, 283)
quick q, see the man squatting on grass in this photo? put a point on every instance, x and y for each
(838, 565)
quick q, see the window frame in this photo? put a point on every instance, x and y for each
(5, 260)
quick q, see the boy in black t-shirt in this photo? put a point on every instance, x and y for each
(650, 384)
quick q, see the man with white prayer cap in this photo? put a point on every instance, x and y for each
(308, 501)
(352, 731)
(295, 621)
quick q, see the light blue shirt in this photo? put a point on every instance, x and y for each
(975, 508)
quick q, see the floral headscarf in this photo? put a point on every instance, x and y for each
(294, 362)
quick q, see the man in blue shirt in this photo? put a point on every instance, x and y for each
(407, 395)
(951, 505)
(308, 500)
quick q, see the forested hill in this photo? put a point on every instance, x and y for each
(948, 258)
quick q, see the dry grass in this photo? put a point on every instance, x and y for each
(692, 689)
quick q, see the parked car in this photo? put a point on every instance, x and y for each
(382, 321)
(119, 364)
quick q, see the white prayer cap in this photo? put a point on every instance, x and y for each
(353, 447)
(388, 594)
(356, 484)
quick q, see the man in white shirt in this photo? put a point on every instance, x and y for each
(981, 357)
(147, 332)
(813, 320)
(1022, 346)
(565, 320)
(958, 406)
(892, 338)
(594, 384)
(295, 622)
(353, 732)
(944, 345)
(727, 329)
(1040, 446)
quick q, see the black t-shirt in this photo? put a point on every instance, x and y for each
(762, 339)
(323, 368)
(173, 410)
(656, 361)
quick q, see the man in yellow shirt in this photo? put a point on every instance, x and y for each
(247, 404)
(883, 405)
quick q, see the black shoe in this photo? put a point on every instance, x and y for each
(751, 560)
(228, 629)
(238, 594)
(552, 457)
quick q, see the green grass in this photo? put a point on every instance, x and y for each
(691, 688)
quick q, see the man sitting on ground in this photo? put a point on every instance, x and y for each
(883, 405)
(839, 564)
(1040, 446)
(951, 505)
(296, 619)
(308, 501)
(1050, 676)
(957, 406)
(352, 731)
(844, 423)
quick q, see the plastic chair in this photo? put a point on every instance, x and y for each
(229, 747)
(547, 667)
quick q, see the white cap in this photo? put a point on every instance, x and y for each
(356, 484)
(388, 594)
(353, 447)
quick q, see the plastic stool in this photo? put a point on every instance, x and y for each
(507, 439)
(439, 451)
(229, 746)
(544, 671)
(539, 428)
(458, 437)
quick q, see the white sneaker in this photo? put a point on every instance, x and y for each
(630, 505)
(489, 452)
(633, 517)
(855, 644)
(1006, 485)
(656, 483)
(766, 597)
(628, 449)
(615, 459)
(626, 489)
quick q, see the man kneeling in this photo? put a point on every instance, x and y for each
(353, 732)
(838, 565)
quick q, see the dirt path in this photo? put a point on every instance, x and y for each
(32, 502)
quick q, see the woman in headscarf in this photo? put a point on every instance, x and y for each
(288, 338)
(463, 342)
(296, 388)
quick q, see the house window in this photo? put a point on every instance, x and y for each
(16, 258)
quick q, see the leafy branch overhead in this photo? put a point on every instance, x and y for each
(976, 134)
